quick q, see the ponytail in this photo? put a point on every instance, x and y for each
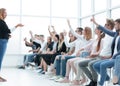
(99, 41)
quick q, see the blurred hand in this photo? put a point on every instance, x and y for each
(19, 25)
(64, 32)
(92, 19)
(68, 21)
(30, 51)
(25, 39)
(10, 36)
(93, 55)
(78, 54)
(30, 32)
(52, 26)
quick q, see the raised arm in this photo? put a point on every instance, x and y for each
(26, 42)
(18, 25)
(105, 30)
(50, 31)
(31, 34)
(53, 29)
(73, 32)
(66, 41)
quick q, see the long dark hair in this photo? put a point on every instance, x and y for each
(99, 41)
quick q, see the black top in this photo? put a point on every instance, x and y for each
(50, 46)
(4, 30)
(62, 49)
(37, 44)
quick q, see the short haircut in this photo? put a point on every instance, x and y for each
(80, 29)
(117, 20)
(110, 22)
(41, 35)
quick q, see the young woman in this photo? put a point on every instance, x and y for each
(83, 40)
(4, 36)
(57, 62)
(96, 48)
(87, 34)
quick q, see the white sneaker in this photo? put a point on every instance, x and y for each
(38, 70)
(99, 85)
(59, 79)
(29, 68)
(31, 64)
(49, 73)
(54, 77)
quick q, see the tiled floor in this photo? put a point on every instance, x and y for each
(19, 77)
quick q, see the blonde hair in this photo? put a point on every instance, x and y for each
(88, 32)
(2, 10)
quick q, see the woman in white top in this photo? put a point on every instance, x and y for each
(83, 40)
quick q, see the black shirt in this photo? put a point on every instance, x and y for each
(4, 30)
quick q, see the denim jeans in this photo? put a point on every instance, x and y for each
(84, 54)
(61, 65)
(117, 68)
(3, 46)
(101, 67)
(29, 58)
(57, 64)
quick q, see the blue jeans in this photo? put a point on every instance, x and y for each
(101, 67)
(117, 68)
(57, 64)
(84, 54)
(3, 46)
(29, 58)
(61, 65)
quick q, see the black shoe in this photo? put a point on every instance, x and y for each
(43, 72)
(115, 83)
(38, 68)
(95, 84)
(92, 83)
(21, 67)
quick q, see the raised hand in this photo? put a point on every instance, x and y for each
(30, 32)
(25, 39)
(93, 20)
(64, 32)
(68, 21)
(52, 27)
(19, 25)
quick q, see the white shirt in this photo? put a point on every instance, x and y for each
(12, 29)
(116, 42)
(43, 46)
(92, 46)
(78, 43)
(106, 50)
